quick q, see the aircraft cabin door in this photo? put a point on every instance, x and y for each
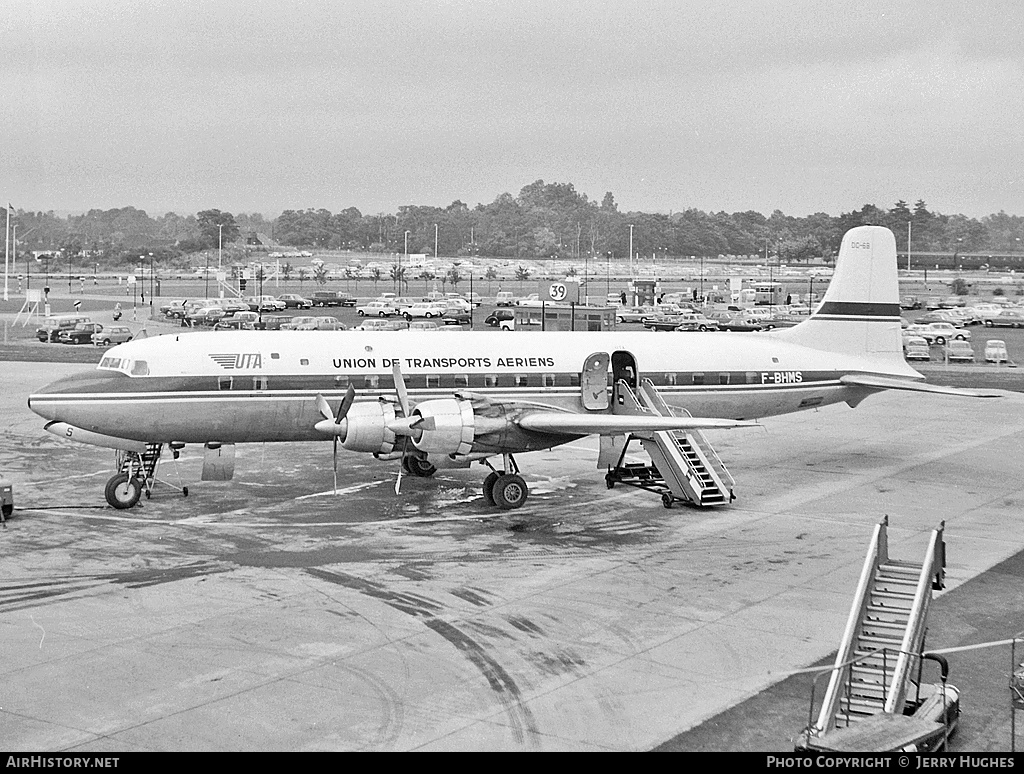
(594, 382)
(624, 370)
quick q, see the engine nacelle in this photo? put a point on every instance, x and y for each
(452, 428)
(367, 429)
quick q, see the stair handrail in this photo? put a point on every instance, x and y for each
(701, 442)
(878, 553)
(812, 728)
(913, 637)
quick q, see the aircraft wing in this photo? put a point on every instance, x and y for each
(614, 424)
(891, 383)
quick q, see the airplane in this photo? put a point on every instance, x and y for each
(448, 401)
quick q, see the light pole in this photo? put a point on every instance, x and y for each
(631, 250)
(910, 224)
(220, 244)
(399, 272)
(151, 284)
(435, 241)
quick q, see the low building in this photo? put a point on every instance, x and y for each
(563, 317)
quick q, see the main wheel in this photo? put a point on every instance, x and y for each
(510, 491)
(489, 482)
(419, 467)
(123, 491)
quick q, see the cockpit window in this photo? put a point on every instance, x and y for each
(140, 368)
(110, 363)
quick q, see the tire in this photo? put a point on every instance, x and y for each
(420, 467)
(123, 491)
(361, 313)
(106, 342)
(940, 340)
(666, 500)
(408, 317)
(702, 328)
(489, 482)
(510, 491)
(383, 314)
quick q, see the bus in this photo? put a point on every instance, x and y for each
(769, 294)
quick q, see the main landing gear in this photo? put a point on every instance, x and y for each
(506, 490)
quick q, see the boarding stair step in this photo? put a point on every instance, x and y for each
(867, 672)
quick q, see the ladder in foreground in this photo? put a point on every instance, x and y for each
(685, 467)
(875, 701)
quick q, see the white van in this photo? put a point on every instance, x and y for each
(504, 298)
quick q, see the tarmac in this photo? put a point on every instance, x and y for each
(269, 613)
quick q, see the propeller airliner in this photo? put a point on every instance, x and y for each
(447, 401)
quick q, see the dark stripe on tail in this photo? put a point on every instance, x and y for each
(858, 309)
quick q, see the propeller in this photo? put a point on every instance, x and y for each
(403, 401)
(331, 419)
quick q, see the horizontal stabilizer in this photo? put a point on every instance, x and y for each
(889, 383)
(608, 424)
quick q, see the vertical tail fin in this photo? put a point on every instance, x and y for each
(860, 313)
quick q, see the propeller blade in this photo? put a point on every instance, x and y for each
(324, 407)
(398, 481)
(335, 461)
(403, 394)
(346, 403)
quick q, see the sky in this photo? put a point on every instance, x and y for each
(260, 106)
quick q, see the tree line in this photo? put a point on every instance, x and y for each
(544, 221)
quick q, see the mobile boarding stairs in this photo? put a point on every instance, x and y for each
(684, 466)
(875, 701)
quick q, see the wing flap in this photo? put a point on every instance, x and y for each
(607, 424)
(891, 383)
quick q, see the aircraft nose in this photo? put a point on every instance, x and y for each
(48, 400)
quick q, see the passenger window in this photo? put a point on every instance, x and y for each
(433, 381)
(224, 382)
(490, 380)
(723, 378)
(462, 380)
(698, 378)
(520, 380)
(259, 382)
(372, 381)
(549, 380)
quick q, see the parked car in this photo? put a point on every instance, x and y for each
(379, 324)
(941, 332)
(910, 303)
(495, 318)
(377, 309)
(916, 348)
(696, 322)
(295, 301)
(205, 315)
(112, 334)
(995, 351)
(321, 324)
(52, 328)
(531, 300)
(332, 298)
(452, 317)
(504, 298)
(662, 322)
(80, 334)
(294, 323)
(732, 321)
(265, 303)
(779, 321)
(234, 324)
(957, 351)
(272, 322)
(424, 325)
(1010, 317)
(633, 314)
(424, 309)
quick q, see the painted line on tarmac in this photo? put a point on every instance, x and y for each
(346, 490)
(206, 521)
